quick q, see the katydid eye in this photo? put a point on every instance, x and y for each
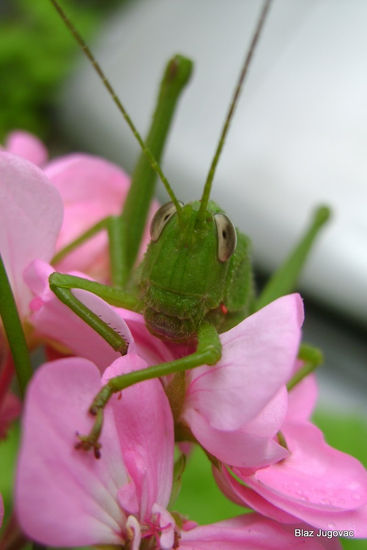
(227, 237)
(161, 218)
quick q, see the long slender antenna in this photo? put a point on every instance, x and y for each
(232, 106)
(154, 164)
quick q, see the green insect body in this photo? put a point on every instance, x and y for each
(196, 270)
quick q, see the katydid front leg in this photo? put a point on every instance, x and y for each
(62, 286)
(208, 352)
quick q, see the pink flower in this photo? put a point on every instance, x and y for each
(252, 532)
(234, 408)
(26, 145)
(61, 328)
(123, 496)
(91, 189)
(315, 483)
(31, 216)
(69, 498)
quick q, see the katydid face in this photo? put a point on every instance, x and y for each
(183, 272)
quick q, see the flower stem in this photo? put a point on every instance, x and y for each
(14, 332)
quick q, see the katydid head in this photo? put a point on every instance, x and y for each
(185, 269)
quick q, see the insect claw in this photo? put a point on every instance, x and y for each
(97, 452)
(88, 442)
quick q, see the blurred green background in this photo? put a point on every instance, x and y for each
(36, 55)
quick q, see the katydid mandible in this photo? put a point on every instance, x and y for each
(196, 279)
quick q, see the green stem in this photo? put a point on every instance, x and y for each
(14, 332)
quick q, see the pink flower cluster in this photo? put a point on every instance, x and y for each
(234, 409)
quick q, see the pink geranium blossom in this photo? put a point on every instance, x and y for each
(42, 207)
(257, 360)
(120, 497)
(252, 532)
(244, 431)
(91, 188)
(236, 407)
(67, 497)
(315, 483)
(31, 217)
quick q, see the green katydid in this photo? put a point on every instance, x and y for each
(195, 280)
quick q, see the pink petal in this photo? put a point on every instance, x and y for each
(31, 215)
(251, 446)
(253, 532)
(240, 493)
(27, 146)
(302, 400)
(257, 359)
(56, 322)
(64, 496)
(167, 525)
(133, 527)
(147, 438)
(91, 188)
(318, 484)
(151, 349)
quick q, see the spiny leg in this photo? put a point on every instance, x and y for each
(284, 279)
(62, 284)
(208, 352)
